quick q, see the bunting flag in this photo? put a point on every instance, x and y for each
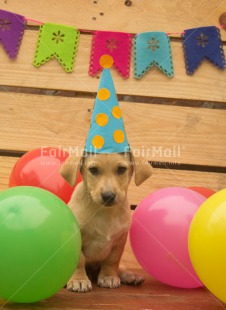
(12, 28)
(152, 48)
(57, 41)
(117, 45)
(202, 43)
(149, 48)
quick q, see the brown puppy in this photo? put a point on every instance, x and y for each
(101, 208)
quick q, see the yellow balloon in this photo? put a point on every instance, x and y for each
(207, 244)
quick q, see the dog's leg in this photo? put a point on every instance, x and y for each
(108, 276)
(130, 278)
(79, 281)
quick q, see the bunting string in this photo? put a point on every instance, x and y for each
(146, 49)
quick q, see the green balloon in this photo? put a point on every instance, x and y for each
(40, 244)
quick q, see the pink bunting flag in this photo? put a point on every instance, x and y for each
(117, 45)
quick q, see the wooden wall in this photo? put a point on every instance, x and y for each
(182, 120)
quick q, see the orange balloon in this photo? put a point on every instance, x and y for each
(40, 168)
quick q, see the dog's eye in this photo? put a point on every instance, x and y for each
(121, 170)
(93, 170)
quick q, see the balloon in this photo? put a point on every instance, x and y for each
(40, 244)
(40, 168)
(159, 235)
(207, 244)
(206, 192)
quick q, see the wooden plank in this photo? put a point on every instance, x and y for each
(6, 165)
(151, 295)
(161, 178)
(208, 83)
(162, 133)
(145, 15)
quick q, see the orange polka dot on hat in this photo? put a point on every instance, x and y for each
(107, 133)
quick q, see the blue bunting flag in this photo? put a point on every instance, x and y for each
(203, 43)
(152, 48)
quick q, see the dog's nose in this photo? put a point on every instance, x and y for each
(108, 198)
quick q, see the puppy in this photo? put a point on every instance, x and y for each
(101, 208)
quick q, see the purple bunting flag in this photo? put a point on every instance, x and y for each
(11, 32)
(203, 43)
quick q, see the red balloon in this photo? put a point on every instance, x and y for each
(40, 168)
(206, 192)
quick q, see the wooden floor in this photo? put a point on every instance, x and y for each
(152, 295)
(48, 107)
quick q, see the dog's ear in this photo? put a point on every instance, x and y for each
(70, 169)
(142, 169)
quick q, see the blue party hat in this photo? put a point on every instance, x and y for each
(107, 133)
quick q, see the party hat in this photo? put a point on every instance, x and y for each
(107, 133)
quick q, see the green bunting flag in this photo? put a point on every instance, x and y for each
(57, 41)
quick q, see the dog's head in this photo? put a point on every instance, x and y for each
(106, 176)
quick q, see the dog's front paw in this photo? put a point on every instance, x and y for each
(130, 278)
(109, 281)
(81, 285)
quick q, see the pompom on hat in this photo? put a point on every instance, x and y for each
(107, 133)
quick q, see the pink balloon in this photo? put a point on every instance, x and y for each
(159, 235)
